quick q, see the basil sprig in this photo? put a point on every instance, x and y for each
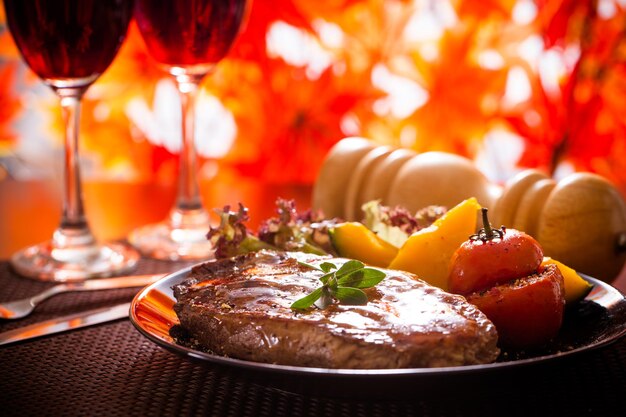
(343, 284)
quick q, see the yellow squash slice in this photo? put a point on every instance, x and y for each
(427, 253)
(576, 288)
(355, 241)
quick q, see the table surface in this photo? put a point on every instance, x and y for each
(112, 370)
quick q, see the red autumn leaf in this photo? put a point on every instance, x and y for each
(291, 122)
(10, 105)
(540, 122)
(7, 46)
(251, 44)
(133, 69)
(458, 90)
(560, 20)
(582, 123)
(330, 10)
(485, 9)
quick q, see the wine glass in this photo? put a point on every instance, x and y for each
(68, 44)
(187, 38)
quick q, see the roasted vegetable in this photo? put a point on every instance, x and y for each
(355, 241)
(576, 288)
(492, 257)
(427, 253)
(527, 312)
(500, 272)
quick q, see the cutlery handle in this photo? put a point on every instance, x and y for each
(44, 295)
(111, 283)
(66, 323)
(96, 284)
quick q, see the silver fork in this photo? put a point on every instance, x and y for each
(22, 308)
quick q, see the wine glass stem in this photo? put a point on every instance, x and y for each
(73, 229)
(188, 189)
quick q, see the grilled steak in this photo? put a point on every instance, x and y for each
(240, 308)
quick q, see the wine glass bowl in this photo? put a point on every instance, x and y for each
(187, 39)
(69, 44)
(191, 35)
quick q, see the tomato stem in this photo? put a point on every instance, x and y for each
(487, 232)
(486, 224)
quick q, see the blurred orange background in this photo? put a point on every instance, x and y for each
(510, 84)
(31, 210)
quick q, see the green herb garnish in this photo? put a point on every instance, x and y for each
(343, 284)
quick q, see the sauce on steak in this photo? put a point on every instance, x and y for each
(240, 307)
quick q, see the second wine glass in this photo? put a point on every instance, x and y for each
(187, 38)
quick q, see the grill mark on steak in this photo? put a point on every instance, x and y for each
(240, 307)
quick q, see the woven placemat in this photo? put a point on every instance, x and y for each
(112, 370)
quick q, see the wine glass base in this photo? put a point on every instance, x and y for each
(165, 242)
(44, 262)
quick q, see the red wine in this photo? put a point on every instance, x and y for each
(184, 33)
(68, 39)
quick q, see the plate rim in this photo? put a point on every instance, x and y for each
(171, 346)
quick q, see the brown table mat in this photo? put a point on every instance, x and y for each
(112, 370)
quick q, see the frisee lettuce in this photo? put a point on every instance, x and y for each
(396, 224)
(232, 237)
(289, 231)
(293, 231)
